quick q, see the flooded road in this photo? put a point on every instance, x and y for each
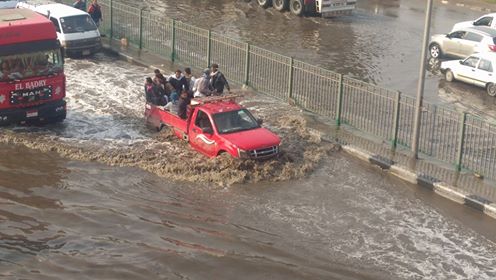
(379, 43)
(141, 205)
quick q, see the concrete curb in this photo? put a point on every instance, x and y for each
(485, 206)
(441, 188)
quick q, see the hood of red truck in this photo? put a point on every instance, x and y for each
(253, 139)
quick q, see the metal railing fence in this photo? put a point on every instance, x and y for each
(461, 139)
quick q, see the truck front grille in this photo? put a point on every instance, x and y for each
(265, 152)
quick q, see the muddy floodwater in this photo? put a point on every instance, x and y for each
(101, 196)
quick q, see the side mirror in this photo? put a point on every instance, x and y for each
(448, 36)
(461, 62)
(207, 130)
(259, 121)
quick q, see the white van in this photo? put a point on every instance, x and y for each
(76, 31)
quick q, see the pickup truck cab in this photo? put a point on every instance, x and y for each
(217, 125)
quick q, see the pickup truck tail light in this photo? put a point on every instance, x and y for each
(492, 48)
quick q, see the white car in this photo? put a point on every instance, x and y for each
(485, 20)
(463, 42)
(478, 69)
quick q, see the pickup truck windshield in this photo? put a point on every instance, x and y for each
(77, 24)
(234, 121)
(21, 66)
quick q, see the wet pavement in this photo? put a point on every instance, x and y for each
(340, 219)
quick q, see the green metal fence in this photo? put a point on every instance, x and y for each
(461, 139)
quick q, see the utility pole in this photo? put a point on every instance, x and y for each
(421, 82)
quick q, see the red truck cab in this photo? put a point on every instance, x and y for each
(216, 125)
(32, 80)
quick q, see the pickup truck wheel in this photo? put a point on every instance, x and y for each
(491, 89)
(264, 3)
(435, 51)
(449, 76)
(280, 5)
(296, 7)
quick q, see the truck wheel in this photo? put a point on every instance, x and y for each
(491, 89)
(280, 5)
(296, 7)
(264, 3)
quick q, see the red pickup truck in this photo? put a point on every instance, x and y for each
(216, 125)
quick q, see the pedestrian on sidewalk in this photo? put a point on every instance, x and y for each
(80, 4)
(95, 12)
(218, 81)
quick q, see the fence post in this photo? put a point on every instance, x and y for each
(173, 47)
(247, 66)
(339, 107)
(291, 73)
(396, 119)
(141, 28)
(209, 48)
(461, 140)
(111, 21)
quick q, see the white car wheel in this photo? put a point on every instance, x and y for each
(435, 51)
(449, 76)
(491, 89)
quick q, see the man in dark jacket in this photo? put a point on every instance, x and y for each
(179, 82)
(218, 81)
(184, 100)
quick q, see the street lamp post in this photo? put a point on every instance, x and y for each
(421, 82)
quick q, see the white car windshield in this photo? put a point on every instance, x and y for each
(77, 24)
(234, 121)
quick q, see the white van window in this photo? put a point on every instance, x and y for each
(76, 24)
(56, 24)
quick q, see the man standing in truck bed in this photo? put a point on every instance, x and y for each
(218, 81)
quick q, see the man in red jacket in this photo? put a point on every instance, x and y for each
(95, 12)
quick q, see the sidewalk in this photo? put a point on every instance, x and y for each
(464, 188)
